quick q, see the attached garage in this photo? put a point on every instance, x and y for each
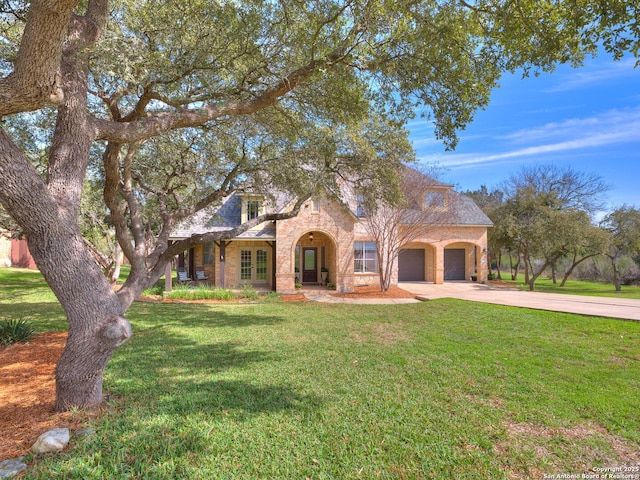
(455, 264)
(411, 265)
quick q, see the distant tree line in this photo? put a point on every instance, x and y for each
(545, 221)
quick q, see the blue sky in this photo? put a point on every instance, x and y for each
(587, 118)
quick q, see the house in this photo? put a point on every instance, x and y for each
(15, 252)
(5, 251)
(330, 236)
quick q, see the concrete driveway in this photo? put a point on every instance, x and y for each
(477, 292)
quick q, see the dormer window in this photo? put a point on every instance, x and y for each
(253, 209)
(361, 209)
(435, 200)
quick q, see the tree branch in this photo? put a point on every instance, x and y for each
(35, 80)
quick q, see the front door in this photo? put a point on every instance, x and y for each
(309, 265)
(254, 266)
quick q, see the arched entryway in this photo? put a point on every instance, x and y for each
(315, 259)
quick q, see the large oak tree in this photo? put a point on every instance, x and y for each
(282, 93)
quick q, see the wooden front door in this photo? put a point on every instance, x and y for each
(309, 265)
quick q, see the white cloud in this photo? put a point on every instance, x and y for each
(615, 127)
(626, 120)
(602, 73)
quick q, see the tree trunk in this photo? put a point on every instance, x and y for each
(115, 272)
(574, 264)
(515, 269)
(616, 274)
(94, 313)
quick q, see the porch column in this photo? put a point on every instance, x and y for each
(482, 265)
(223, 253)
(273, 265)
(192, 263)
(438, 261)
(168, 281)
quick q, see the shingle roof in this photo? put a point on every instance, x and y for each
(464, 211)
(224, 218)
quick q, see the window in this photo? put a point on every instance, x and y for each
(253, 209)
(435, 199)
(365, 257)
(361, 209)
(315, 205)
(208, 254)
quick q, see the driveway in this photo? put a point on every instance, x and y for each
(477, 292)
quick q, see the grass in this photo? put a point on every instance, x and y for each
(442, 389)
(576, 287)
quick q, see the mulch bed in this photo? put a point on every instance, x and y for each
(373, 291)
(27, 393)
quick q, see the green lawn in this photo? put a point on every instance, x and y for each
(576, 287)
(441, 389)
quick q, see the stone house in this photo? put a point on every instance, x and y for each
(328, 244)
(14, 252)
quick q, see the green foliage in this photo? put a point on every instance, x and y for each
(248, 292)
(155, 290)
(201, 292)
(624, 226)
(271, 297)
(15, 330)
(546, 217)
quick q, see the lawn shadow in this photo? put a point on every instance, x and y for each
(177, 372)
(44, 316)
(197, 315)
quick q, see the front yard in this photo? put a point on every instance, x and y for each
(442, 389)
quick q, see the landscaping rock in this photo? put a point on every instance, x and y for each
(12, 467)
(52, 441)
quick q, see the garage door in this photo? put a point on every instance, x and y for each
(454, 263)
(411, 265)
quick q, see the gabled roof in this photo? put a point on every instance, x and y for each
(461, 210)
(464, 211)
(224, 218)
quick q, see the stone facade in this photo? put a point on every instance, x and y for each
(321, 237)
(331, 226)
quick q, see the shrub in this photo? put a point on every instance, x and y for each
(15, 330)
(248, 292)
(182, 292)
(155, 290)
(271, 297)
(298, 285)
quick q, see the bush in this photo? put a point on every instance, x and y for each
(271, 297)
(182, 292)
(15, 330)
(155, 290)
(248, 292)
